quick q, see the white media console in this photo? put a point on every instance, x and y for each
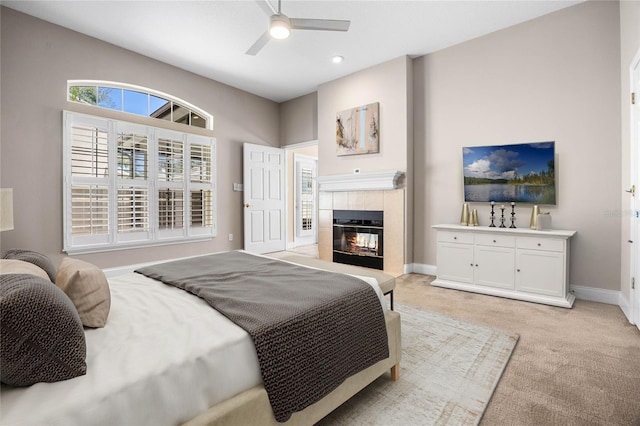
(522, 264)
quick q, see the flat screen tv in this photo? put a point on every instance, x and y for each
(522, 173)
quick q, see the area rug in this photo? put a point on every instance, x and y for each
(448, 372)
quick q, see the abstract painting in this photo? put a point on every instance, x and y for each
(358, 130)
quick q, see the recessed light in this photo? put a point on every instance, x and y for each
(337, 59)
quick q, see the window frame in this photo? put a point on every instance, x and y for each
(143, 90)
(111, 178)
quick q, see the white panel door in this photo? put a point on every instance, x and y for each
(264, 199)
(634, 265)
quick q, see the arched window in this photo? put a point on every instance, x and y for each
(133, 185)
(137, 100)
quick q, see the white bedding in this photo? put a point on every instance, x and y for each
(163, 357)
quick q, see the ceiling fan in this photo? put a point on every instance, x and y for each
(280, 25)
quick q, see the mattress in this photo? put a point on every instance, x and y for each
(164, 357)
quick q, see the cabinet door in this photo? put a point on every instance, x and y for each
(455, 262)
(494, 266)
(540, 272)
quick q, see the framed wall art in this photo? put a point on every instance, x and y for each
(358, 130)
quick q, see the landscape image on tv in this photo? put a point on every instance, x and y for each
(522, 173)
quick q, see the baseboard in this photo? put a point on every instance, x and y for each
(592, 294)
(127, 269)
(420, 268)
(300, 243)
(625, 306)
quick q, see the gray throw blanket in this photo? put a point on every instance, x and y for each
(311, 329)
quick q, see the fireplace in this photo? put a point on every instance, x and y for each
(358, 238)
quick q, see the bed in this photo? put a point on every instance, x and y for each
(166, 357)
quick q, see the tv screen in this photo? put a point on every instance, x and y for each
(522, 173)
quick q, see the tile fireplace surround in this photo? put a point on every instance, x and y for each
(379, 191)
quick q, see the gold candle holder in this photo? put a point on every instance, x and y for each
(533, 223)
(465, 216)
(474, 218)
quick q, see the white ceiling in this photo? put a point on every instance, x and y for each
(210, 37)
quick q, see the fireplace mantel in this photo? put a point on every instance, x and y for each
(364, 181)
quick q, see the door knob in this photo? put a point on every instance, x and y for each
(247, 205)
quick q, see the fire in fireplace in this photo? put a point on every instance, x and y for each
(361, 243)
(358, 238)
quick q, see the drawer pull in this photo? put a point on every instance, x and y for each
(539, 245)
(518, 270)
(494, 241)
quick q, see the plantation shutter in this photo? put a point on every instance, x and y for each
(171, 184)
(86, 191)
(130, 185)
(201, 186)
(133, 184)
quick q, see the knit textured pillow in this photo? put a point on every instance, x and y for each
(38, 259)
(41, 335)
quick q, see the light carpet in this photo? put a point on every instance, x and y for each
(448, 372)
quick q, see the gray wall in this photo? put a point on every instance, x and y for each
(385, 83)
(299, 119)
(37, 60)
(559, 77)
(553, 78)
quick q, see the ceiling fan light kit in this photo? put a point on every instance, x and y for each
(280, 25)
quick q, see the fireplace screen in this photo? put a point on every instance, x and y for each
(362, 243)
(358, 238)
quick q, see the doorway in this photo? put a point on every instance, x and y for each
(304, 200)
(272, 177)
(302, 195)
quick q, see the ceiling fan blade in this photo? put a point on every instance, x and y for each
(267, 7)
(259, 44)
(319, 24)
